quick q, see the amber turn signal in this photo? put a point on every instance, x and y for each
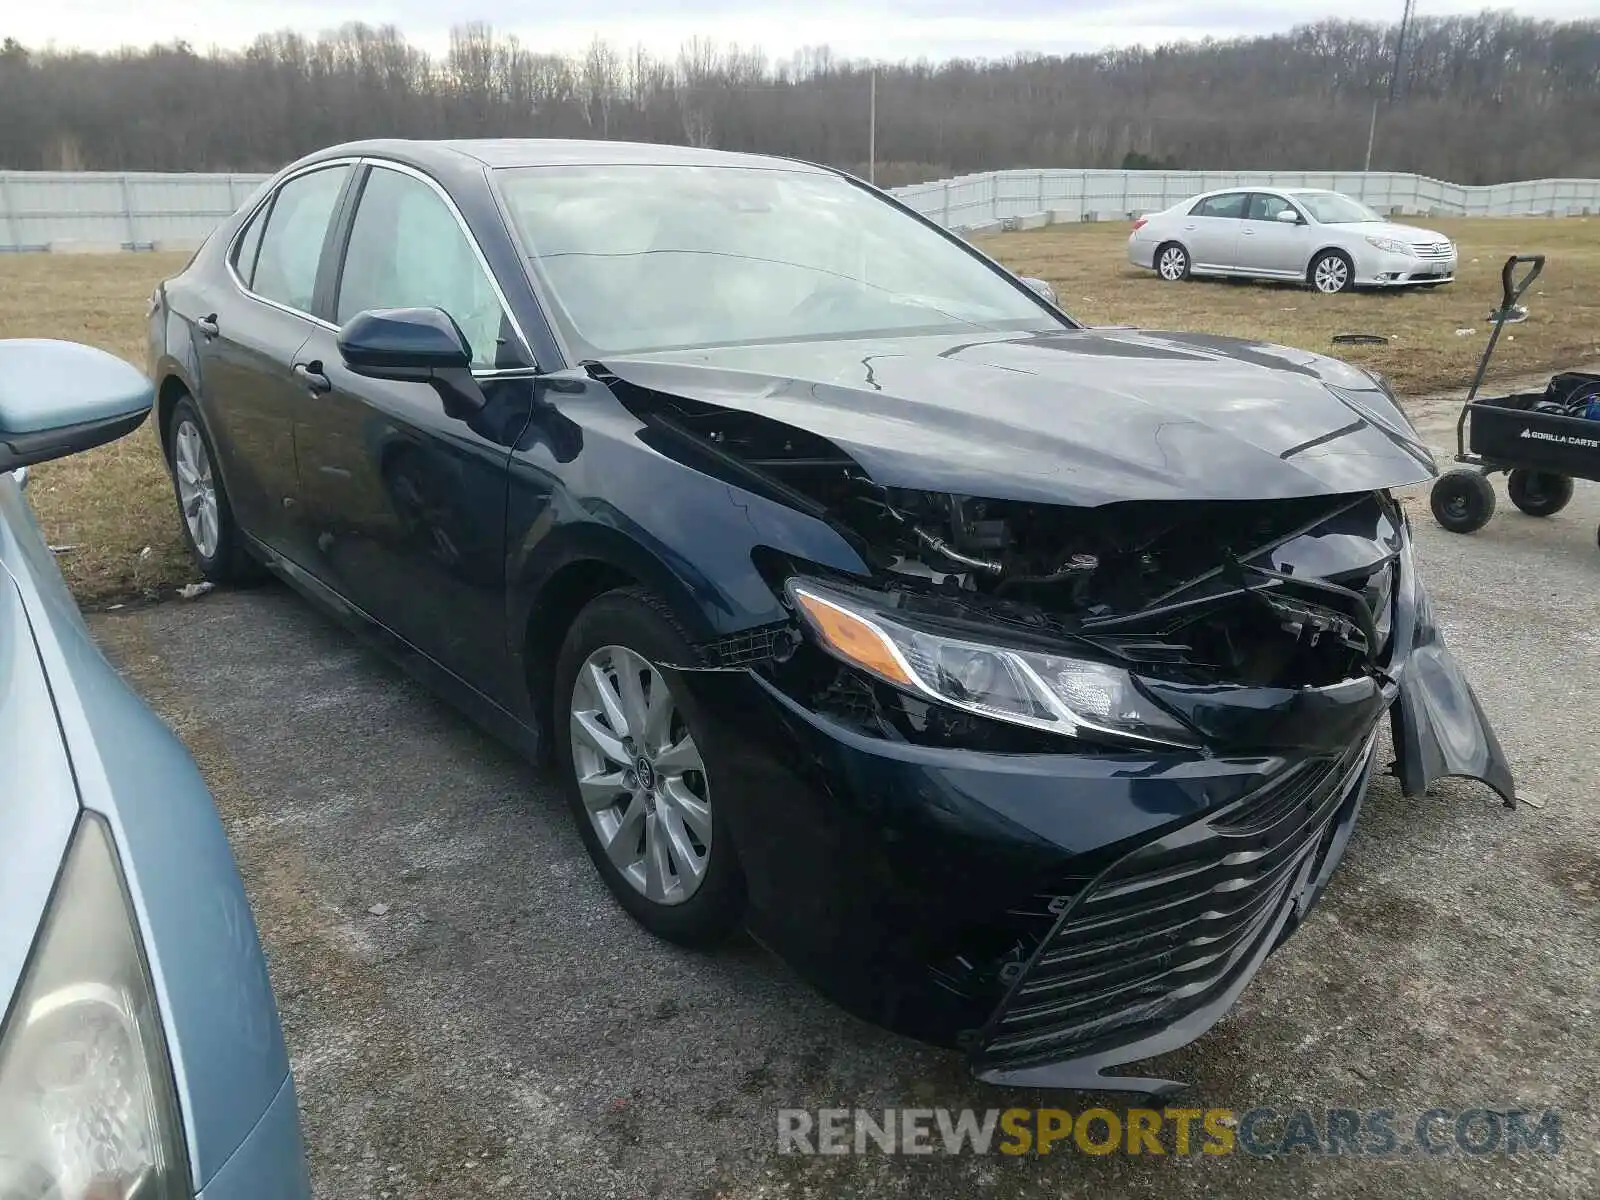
(852, 638)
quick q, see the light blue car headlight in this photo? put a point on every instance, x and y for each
(1055, 692)
(88, 1110)
(1388, 245)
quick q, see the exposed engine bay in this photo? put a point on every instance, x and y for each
(1192, 591)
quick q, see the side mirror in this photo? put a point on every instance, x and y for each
(1041, 287)
(421, 344)
(57, 398)
(1287, 216)
(403, 343)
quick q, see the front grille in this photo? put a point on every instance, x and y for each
(1173, 925)
(1433, 251)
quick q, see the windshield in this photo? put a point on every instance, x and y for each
(1330, 208)
(655, 257)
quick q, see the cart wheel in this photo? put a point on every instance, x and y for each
(1539, 493)
(1463, 501)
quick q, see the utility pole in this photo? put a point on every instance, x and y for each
(872, 128)
(1394, 76)
(1400, 47)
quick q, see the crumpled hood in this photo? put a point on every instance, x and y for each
(1081, 417)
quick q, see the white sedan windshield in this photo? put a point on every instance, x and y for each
(640, 257)
(1330, 208)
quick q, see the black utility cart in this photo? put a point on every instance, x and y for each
(1541, 438)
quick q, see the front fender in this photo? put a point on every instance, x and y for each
(585, 489)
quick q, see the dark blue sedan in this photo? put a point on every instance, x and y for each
(1018, 681)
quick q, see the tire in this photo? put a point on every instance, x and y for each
(1539, 493)
(1332, 272)
(213, 538)
(1171, 262)
(1462, 500)
(652, 802)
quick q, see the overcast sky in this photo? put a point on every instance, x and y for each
(889, 29)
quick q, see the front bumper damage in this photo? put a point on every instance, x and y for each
(1057, 915)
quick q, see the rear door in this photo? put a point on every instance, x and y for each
(1269, 246)
(247, 340)
(1212, 230)
(406, 504)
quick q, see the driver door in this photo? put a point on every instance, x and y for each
(1270, 246)
(406, 502)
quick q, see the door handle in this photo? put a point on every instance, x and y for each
(208, 325)
(1247, 232)
(311, 375)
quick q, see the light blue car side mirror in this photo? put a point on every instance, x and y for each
(1039, 287)
(57, 398)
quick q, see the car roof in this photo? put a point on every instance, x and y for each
(566, 152)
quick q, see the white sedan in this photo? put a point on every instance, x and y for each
(1321, 238)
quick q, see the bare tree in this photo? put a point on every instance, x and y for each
(1480, 99)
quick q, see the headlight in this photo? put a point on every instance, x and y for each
(1389, 245)
(87, 1104)
(1063, 694)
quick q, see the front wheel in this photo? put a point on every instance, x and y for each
(1539, 493)
(640, 784)
(1462, 500)
(214, 539)
(1332, 272)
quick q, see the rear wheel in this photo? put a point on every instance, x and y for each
(640, 785)
(1172, 262)
(1331, 272)
(1462, 501)
(214, 540)
(1539, 493)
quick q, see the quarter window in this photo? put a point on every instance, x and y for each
(1230, 205)
(291, 246)
(244, 252)
(408, 250)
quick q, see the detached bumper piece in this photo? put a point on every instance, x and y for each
(1157, 947)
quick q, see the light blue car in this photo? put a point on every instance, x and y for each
(141, 1056)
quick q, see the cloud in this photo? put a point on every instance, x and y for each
(891, 29)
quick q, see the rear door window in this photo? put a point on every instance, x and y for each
(291, 245)
(1230, 205)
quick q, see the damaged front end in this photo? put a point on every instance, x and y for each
(1128, 741)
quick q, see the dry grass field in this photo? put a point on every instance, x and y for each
(1088, 267)
(114, 505)
(110, 503)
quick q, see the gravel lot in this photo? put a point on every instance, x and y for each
(468, 1013)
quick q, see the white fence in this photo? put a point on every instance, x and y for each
(110, 210)
(140, 210)
(977, 200)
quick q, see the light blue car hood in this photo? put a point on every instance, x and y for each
(39, 801)
(84, 738)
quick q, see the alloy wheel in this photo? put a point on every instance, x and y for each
(1331, 275)
(640, 775)
(197, 490)
(1173, 263)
